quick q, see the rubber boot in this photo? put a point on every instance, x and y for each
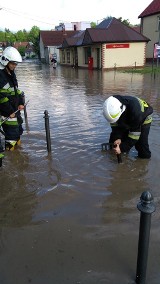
(1, 157)
(10, 146)
(1, 147)
(18, 142)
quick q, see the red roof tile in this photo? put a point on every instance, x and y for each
(18, 44)
(137, 28)
(55, 38)
(116, 31)
(152, 9)
(75, 40)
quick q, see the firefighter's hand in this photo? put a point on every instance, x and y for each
(116, 149)
(117, 142)
(12, 115)
(20, 107)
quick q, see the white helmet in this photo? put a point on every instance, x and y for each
(9, 54)
(112, 109)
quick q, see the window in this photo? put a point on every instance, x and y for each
(158, 28)
(63, 57)
(68, 56)
(158, 24)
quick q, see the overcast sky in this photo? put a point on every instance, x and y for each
(18, 15)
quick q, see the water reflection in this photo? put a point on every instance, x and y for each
(17, 199)
(128, 181)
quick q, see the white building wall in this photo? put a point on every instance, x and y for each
(54, 52)
(68, 26)
(85, 25)
(81, 56)
(42, 56)
(81, 62)
(80, 26)
(124, 57)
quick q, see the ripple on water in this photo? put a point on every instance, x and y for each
(76, 165)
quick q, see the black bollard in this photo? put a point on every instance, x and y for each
(25, 110)
(146, 207)
(47, 131)
(119, 158)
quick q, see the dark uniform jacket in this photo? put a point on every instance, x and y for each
(129, 126)
(10, 95)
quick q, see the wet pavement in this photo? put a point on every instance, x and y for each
(70, 216)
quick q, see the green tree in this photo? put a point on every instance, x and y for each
(33, 34)
(2, 36)
(21, 36)
(93, 24)
(7, 30)
(9, 37)
(33, 37)
(125, 21)
(21, 50)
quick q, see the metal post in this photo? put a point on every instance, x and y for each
(25, 110)
(109, 146)
(158, 41)
(119, 158)
(153, 58)
(146, 207)
(135, 65)
(47, 131)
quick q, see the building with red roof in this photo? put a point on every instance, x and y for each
(49, 41)
(111, 45)
(150, 26)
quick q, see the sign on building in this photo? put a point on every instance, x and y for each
(156, 50)
(118, 45)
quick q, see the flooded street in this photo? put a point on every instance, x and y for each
(70, 216)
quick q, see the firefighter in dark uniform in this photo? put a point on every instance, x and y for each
(11, 98)
(130, 119)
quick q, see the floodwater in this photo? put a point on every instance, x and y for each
(70, 216)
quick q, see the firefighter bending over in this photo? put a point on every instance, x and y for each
(130, 119)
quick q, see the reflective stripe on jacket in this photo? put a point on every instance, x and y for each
(10, 96)
(137, 113)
